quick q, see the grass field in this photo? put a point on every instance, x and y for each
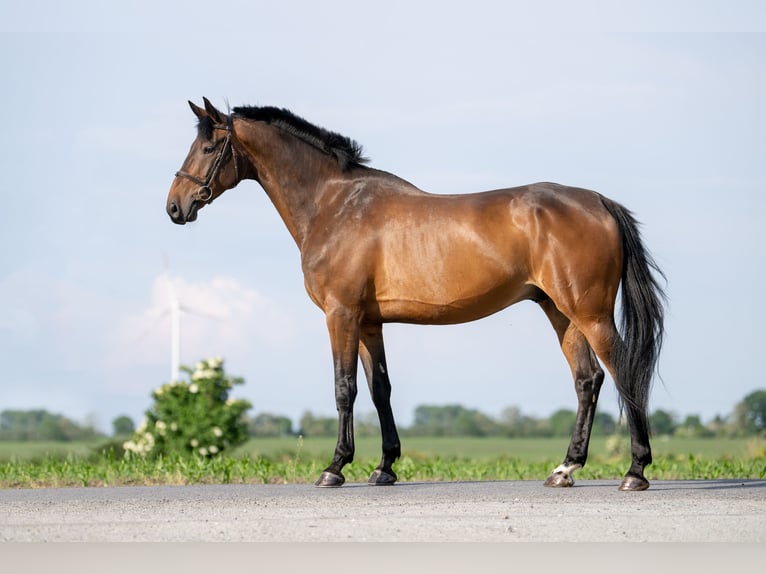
(524, 449)
(292, 460)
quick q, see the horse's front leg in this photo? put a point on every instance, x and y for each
(373, 357)
(343, 326)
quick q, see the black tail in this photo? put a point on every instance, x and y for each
(642, 321)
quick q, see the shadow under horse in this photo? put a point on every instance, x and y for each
(376, 249)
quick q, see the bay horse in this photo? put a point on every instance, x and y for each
(376, 249)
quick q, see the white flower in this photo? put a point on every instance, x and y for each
(204, 374)
(199, 366)
(194, 443)
(203, 451)
(215, 363)
(217, 432)
(161, 427)
(173, 426)
(141, 444)
(213, 449)
(193, 388)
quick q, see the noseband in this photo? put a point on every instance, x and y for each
(205, 193)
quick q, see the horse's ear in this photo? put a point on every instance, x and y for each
(199, 112)
(214, 114)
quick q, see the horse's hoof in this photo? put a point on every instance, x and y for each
(634, 483)
(559, 480)
(329, 480)
(381, 478)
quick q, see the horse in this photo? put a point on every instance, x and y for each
(376, 249)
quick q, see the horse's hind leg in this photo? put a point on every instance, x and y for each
(605, 340)
(372, 353)
(588, 378)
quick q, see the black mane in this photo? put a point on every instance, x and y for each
(347, 151)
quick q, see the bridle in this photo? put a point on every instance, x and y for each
(205, 193)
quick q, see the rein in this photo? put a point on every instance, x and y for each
(205, 193)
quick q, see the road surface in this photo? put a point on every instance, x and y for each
(592, 511)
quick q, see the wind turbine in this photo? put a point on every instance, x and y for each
(175, 309)
(175, 332)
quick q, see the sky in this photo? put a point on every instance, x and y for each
(658, 107)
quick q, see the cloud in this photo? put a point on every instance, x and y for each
(220, 317)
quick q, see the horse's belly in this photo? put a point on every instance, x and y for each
(452, 275)
(429, 308)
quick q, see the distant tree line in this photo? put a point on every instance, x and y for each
(747, 419)
(459, 421)
(40, 425)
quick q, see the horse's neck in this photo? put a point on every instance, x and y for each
(289, 175)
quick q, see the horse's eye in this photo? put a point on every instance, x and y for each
(209, 148)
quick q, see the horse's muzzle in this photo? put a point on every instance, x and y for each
(177, 215)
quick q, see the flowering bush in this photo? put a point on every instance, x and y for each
(195, 417)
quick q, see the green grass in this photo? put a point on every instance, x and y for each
(532, 450)
(291, 460)
(32, 450)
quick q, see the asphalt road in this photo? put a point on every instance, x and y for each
(592, 511)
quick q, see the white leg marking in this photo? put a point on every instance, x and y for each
(566, 469)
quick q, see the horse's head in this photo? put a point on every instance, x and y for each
(208, 170)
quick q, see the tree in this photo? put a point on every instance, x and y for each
(195, 417)
(662, 422)
(41, 425)
(267, 424)
(718, 425)
(312, 425)
(367, 424)
(692, 427)
(604, 424)
(452, 420)
(123, 426)
(754, 411)
(562, 422)
(515, 423)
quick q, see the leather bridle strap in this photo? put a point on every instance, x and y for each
(205, 193)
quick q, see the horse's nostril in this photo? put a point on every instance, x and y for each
(174, 211)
